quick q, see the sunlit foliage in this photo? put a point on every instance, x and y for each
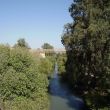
(23, 79)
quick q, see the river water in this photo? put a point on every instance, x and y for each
(60, 96)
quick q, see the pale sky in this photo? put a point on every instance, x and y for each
(38, 21)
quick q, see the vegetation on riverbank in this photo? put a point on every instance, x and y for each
(87, 41)
(61, 60)
(23, 79)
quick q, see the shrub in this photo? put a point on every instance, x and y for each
(23, 83)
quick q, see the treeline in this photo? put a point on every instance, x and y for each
(87, 42)
(23, 79)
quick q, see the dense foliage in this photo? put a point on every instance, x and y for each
(22, 43)
(87, 41)
(61, 60)
(47, 46)
(23, 80)
(47, 65)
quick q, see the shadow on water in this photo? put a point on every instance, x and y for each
(60, 96)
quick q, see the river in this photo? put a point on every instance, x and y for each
(60, 96)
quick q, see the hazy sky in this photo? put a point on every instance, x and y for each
(37, 21)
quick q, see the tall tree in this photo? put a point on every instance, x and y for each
(87, 41)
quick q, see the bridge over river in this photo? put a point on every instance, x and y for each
(60, 96)
(48, 52)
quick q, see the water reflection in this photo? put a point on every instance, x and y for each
(60, 96)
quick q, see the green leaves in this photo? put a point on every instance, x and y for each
(47, 46)
(22, 43)
(4, 57)
(87, 41)
(61, 60)
(23, 77)
(20, 59)
(46, 66)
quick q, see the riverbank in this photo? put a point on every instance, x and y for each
(60, 96)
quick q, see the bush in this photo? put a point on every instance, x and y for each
(61, 60)
(23, 83)
(47, 65)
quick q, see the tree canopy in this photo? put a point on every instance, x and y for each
(47, 46)
(23, 79)
(22, 43)
(87, 42)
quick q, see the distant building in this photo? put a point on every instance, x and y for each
(42, 55)
(47, 52)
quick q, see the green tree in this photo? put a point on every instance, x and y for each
(87, 41)
(49, 49)
(47, 46)
(4, 56)
(23, 83)
(22, 43)
(46, 66)
(61, 60)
